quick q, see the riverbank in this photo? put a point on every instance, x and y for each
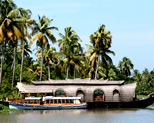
(140, 96)
(4, 108)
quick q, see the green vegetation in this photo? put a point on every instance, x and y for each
(18, 31)
(4, 108)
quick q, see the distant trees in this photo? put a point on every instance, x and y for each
(145, 81)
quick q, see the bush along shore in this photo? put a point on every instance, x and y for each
(4, 108)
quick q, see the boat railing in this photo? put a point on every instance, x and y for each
(62, 100)
(16, 100)
(49, 100)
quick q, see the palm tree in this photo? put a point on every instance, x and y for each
(125, 66)
(17, 20)
(91, 57)
(26, 14)
(101, 40)
(71, 49)
(48, 57)
(137, 76)
(6, 6)
(10, 28)
(42, 33)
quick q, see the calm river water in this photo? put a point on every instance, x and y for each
(145, 115)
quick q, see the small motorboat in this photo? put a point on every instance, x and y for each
(48, 103)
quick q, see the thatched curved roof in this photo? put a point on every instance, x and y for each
(78, 81)
(24, 88)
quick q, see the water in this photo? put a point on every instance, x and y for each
(145, 115)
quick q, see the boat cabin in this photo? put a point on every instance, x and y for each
(32, 100)
(50, 100)
(89, 90)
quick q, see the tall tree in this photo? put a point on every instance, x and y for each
(16, 27)
(42, 33)
(101, 40)
(48, 57)
(71, 49)
(125, 66)
(25, 14)
(10, 30)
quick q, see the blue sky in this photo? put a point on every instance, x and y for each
(131, 23)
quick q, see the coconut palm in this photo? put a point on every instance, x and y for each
(10, 28)
(48, 57)
(125, 66)
(16, 28)
(91, 58)
(6, 7)
(25, 14)
(137, 76)
(71, 49)
(101, 40)
(42, 33)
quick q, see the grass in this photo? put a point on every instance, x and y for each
(4, 108)
(142, 96)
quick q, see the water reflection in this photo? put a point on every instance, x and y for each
(80, 116)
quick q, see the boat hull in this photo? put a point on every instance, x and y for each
(45, 107)
(134, 104)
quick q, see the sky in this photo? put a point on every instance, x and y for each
(131, 23)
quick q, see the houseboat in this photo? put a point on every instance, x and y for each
(96, 93)
(48, 103)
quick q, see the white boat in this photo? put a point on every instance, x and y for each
(48, 103)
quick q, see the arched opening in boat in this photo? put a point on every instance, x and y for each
(116, 96)
(80, 93)
(98, 95)
(60, 93)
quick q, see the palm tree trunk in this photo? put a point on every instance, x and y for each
(2, 60)
(48, 72)
(97, 66)
(74, 73)
(41, 66)
(22, 60)
(67, 73)
(14, 65)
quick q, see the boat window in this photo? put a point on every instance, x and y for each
(55, 101)
(60, 93)
(80, 93)
(67, 101)
(98, 95)
(51, 101)
(31, 101)
(38, 102)
(116, 96)
(47, 101)
(35, 101)
(63, 101)
(76, 101)
(59, 101)
(71, 101)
